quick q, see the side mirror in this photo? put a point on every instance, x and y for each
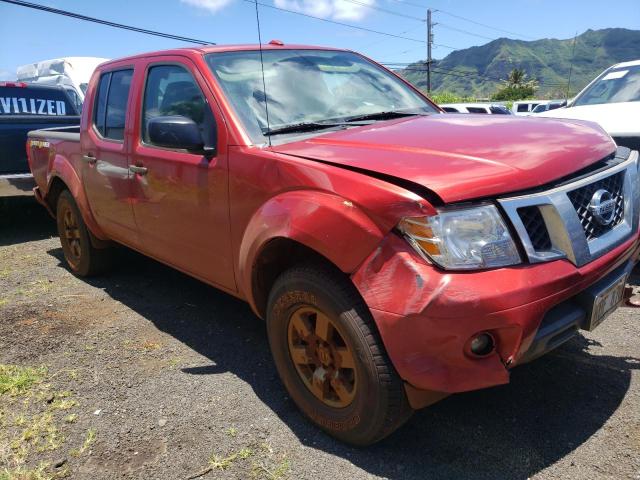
(177, 131)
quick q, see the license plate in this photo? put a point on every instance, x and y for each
(606, 302)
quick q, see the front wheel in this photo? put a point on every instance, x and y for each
(330, 357)
(82, 257)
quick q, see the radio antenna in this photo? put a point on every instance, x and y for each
(264, 84)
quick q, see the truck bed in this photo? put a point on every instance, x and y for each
(15, 178)
(64, 141)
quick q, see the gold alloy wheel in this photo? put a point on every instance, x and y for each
(322, 358)
(71, 234)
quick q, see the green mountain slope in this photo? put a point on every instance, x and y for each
(477, 71)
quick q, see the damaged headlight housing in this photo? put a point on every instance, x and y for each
(462, 238)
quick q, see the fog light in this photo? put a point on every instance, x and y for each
(482, 344)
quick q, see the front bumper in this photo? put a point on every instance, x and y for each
(426, 316)
(16, 185)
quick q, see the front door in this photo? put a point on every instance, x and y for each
(105, 166)
(181, 198)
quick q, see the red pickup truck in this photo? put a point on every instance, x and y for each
(398, 254)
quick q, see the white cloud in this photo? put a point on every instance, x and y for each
(211, 5)
(335, 9)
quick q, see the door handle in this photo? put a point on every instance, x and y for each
(90, 159)
(138, 170)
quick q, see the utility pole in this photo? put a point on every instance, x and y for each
(429, 41)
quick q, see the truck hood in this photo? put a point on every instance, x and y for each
(462, 157)
(615, 118)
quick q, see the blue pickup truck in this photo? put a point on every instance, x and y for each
(25, 107)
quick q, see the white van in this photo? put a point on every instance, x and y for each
(71, 73)
(613, 101)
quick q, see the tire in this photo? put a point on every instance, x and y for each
(367, 402)
(81, 256)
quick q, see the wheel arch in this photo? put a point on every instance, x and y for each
(63, 176)
(298, 227)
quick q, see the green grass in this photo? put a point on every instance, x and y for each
(222, 463)
(449, 97)
(89, 440)
(16, 380)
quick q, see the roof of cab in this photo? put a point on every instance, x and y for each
(204, 49)
(632, 63)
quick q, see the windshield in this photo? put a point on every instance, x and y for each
(308, 86)
(619, 85)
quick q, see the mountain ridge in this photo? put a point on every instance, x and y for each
(478, 71)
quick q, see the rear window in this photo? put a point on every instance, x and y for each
(35, 101)
(110, 109)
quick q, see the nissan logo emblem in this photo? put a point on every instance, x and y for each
(603, 207)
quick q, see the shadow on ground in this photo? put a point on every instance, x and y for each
(551, 406)
(22, 219)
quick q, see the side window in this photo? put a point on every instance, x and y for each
(111, 104)
(172, 90)
(499, 110)
(523, 107)
(477, 110)
(101, 103)
(450, 110)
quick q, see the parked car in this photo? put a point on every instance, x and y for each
(25, 107)
(398, 254)
(71, 73)
(525, 107)
(613, 101)
(552, 105)
(475, 108)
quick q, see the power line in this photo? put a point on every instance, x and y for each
(446, 46)
(411, 4)
(378, 32)
(454, 73)
(466, 32)
(387, 11)
(459, 17)
(370, 44)
(78, 16)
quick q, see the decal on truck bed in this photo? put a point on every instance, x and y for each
(31, 106)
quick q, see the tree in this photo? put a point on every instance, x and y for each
(516, 87)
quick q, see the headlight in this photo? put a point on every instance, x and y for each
(462, 238)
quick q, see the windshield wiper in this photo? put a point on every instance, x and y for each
(302, 127)
(381, 116)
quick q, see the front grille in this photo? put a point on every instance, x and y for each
(535, 227)
(581, 199)
(568, 229)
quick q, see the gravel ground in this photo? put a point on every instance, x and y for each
(166, 377)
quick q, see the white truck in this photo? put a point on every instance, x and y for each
(71, 73)
(613, 101)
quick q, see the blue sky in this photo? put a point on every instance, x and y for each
(28, 35)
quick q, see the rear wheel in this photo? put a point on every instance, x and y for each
(81, 256)
(330, 357)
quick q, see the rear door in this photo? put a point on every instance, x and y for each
(105, 148)
(181, 198)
